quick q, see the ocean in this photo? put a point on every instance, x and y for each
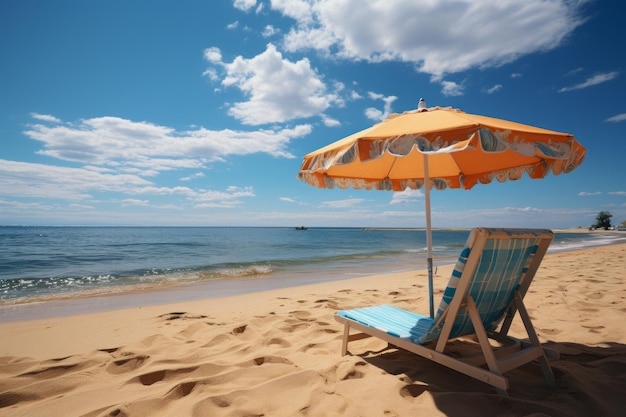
(39, 264)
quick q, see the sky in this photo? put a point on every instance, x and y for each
(198, 113)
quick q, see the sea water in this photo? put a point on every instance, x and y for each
(52, 263)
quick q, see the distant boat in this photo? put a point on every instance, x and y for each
(301, 227)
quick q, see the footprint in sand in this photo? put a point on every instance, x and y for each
(593, 329)
(350, 370)
(239, 329)
(126, 364)
(181, 390)
(326, 303)
(548, 332)
(302, 315)
(278, 341)
(152, 377)
(271, 359)
(177, 315)
(413, 390)
(596, 295)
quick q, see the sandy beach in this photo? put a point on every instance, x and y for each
(277, 353)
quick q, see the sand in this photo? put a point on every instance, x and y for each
(277, 353)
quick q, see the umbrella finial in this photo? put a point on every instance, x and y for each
(421, 106)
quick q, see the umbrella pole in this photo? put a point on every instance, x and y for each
(429, 239)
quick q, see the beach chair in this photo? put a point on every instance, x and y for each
(485, 291)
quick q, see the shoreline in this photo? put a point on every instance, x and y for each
(192, 294)
(186, 282)
(152, 295)
(231, 355)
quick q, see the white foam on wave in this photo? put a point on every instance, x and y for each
(564, 244)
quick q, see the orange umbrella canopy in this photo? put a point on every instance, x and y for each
(463, 149)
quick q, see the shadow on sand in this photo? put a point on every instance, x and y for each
(591, 381)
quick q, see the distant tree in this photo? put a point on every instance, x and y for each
(603, 220)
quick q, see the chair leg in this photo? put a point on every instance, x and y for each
(483, 340)
(346, 336)
(534, 340)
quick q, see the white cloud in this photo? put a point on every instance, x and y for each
(444, 36)
(406, 196)
(134, 202)
(244, 5)
(193, 177)
(621, 193)
(119, 144)
(278, 90)
(232, 197)
(494, 89)
(45, 118)
(24, 179)
(329, 121)
(575, 71)
(269, 31)
(213, 54)
(587, 194)
(350, 202)
(287, 199)
(591, 81)
(300, 10)
(373, 113)
(376, 114)
(451, 89)
(617, 118)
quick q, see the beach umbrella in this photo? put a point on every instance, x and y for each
(439, 148)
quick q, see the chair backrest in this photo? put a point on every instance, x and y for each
(494, 264)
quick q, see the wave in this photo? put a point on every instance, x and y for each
(62, 273)
(237, 272)
(572, 241)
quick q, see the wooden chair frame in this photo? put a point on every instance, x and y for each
(511, 353)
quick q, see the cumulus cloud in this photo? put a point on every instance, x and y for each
(451, 89)
(439, 38)
(376, 114)
(445, 36)
(151, 148)
(45, 118)
(213, 54)
(121, 156)
(329, 121)
(244, 5)
(270, 31)
(278, 90)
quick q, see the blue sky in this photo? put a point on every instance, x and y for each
(198, 113)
